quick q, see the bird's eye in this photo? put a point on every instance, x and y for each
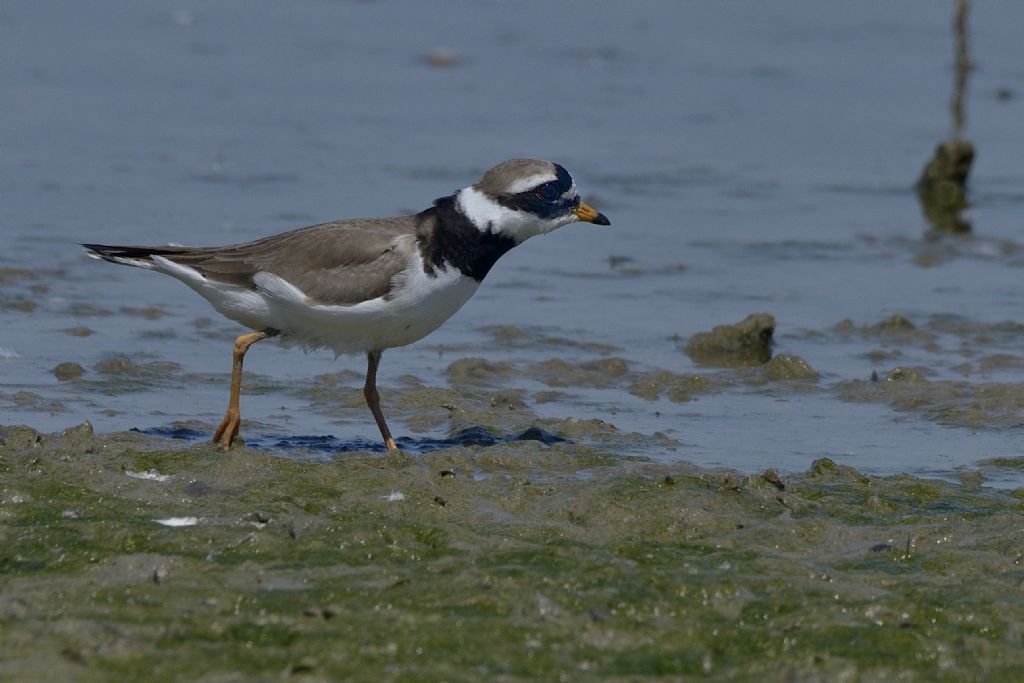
(549, 192)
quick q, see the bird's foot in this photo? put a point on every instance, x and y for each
(228, 430)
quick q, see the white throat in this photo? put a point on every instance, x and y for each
(487, 214)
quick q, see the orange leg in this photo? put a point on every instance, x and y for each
(373, 398)
(228, 429)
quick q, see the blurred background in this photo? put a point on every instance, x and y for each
(752, 157)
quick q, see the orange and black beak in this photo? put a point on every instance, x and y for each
(588, 214)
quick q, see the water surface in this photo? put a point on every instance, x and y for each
(752, 159)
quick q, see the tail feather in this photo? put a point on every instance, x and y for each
(140, 257)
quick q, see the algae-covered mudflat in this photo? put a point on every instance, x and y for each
(127, 557)
(584, 491)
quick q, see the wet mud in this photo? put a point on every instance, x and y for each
(956, 383)
(945, 369)
(950, 403)
(130, 556)
(745, 344)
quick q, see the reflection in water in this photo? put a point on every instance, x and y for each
(472, 436)
(942, 187)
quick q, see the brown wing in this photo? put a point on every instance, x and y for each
(339, 263)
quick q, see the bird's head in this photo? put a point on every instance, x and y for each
(521, 198)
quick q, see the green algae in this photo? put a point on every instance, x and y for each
(948, 402)
(533, 338)
(477, 371)
(968, 349)
(747, 343)
(894, 329)
(30, 400)
(678, 388)
(68, 371)
(783, 367)
(513, 562)
(600, 373)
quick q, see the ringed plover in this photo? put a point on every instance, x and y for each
(367, 284)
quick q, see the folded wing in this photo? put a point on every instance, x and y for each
(340, 263)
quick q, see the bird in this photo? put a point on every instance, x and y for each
(365, 285)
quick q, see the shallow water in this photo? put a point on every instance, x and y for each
(754, 161)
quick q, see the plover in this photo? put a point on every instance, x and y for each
(367, 284)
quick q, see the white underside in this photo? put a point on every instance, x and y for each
(418, 307)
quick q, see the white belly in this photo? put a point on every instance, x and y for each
(418, 308)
